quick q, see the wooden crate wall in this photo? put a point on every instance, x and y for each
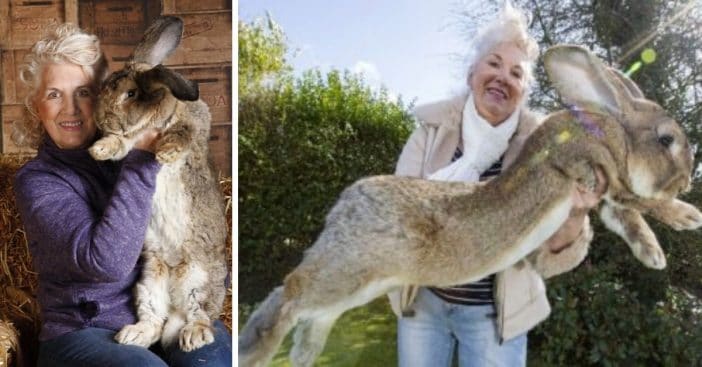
(204, 55)
(119, 24)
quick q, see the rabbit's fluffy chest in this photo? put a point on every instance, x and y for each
(169, 219)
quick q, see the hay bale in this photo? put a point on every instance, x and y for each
(225, 184)
(18, 306)
(9, 344)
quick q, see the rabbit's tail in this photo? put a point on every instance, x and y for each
(265, 330)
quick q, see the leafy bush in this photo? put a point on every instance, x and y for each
(300, 144)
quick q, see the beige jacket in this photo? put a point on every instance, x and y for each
(520, 294)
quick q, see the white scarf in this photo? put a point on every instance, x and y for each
(483, 145)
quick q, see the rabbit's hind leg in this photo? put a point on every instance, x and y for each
(152, 302)
(309, 339)
(188, 295)
(312, 332)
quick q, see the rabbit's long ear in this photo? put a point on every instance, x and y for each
(159, 41)
(582, 79)
(627, 83)
(180, 87)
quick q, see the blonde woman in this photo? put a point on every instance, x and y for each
(86, 220)
(471, 137)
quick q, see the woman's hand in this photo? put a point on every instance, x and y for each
(147, 140)
(583, 201)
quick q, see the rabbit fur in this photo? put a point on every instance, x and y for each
(182, 287)
(388, 231)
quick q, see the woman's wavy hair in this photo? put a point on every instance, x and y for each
(66, 43)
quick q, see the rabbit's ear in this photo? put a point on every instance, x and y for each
(159, 41)
(628, 84)
(582, 79)
(180, 87)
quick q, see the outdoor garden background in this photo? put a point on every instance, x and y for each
(302, 139)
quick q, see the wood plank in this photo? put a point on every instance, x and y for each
(4, 24)
(189, 6)
(29, 20)
(13, 89)
(221, 147)
(71, 11)
(215, 84)
(207, 38)
(117, 22)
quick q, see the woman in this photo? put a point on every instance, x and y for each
(470, 138)
(86, 220)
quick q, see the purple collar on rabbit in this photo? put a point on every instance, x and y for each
(589, 125)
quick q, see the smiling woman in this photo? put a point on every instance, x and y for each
(75, 210)
(64, 103)
(498, 82)
(471, 137)
(61, 75)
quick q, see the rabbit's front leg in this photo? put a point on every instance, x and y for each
(678, 214)
(172, 144)
(109, 147)
(151, 293)
(631, 226)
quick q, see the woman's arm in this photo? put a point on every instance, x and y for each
(569, 245)
(75, 242)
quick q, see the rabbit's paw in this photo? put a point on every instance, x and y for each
(679, 215)
(195, 335)
(168, 153)
(105, 148)
(650, 254)
(142, 334)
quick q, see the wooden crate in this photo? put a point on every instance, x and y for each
(23, 22)
(117, 55)
(221, 147)
(10, 114)
(215, 84)
(13, 89)
(186, 6)
(117, 22)
(207, 39)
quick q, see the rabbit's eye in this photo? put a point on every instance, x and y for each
(131, 93)
(665, 140)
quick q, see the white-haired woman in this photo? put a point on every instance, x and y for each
(86, 220)
(471, 137)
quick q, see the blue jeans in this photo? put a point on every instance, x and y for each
(97, 347)
(430, 336)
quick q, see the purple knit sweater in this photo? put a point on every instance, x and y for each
(85, 222)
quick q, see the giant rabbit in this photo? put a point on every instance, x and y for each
(182, 286)
(385, 232)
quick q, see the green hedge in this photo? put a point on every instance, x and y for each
(300, 144)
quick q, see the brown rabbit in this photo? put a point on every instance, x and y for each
(386, 232)
(183, 281)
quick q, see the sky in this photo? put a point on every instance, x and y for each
(412, 47)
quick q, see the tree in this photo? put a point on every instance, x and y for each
(262, 50)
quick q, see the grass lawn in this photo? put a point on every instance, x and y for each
(364, 336)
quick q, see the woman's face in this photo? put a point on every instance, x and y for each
(498, 81)
(64, 104)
